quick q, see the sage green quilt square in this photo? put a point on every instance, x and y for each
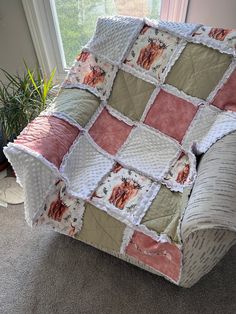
(77, 103)
(198, 70)
(101, 229)
(130, 95)
(164, 213)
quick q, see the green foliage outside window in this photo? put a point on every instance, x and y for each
(77, 20)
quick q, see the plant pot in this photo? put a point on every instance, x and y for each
(3, 160)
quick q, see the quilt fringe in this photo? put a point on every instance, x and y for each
(132, 225)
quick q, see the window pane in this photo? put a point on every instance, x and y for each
(77, 18)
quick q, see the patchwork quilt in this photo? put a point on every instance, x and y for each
(112, 160)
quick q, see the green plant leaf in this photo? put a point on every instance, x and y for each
(22, 98)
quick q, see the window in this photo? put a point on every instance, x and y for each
(60, 28)
(77, 18)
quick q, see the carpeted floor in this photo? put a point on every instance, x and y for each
(45, 272)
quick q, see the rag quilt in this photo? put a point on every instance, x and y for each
(112, 160)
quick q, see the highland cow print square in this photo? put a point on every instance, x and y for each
(179, 171)
(171, 115)
(152, 51)
(226, 97)
(225, 36)
(109, 132)
(62, 211)
(123, 190)
(91, 72)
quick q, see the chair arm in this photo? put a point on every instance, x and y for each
(202, 250)
(212, 203)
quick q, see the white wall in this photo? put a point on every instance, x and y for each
(221, 13)
(15, 40)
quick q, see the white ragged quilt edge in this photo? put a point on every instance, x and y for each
(58, 174)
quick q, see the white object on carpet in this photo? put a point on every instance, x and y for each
(10, 192)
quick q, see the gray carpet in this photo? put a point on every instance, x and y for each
(45, 272)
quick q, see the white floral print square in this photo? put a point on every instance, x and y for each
(91, 73)
(152, 51)
(126, 193)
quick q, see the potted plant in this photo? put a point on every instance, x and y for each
(3, 162)
(22, 98)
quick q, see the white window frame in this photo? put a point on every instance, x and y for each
(43, 23)
(44, 28)
(174, 10)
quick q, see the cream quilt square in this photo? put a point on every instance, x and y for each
(149, 152)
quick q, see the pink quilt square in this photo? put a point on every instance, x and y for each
(50, 137)
(164, 257)
(171, 115)
(226, 97)
(109, 132)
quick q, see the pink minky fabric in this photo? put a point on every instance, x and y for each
(226, 97)
(109, 132)
(171, 115)
(164, 257)
(49, 136)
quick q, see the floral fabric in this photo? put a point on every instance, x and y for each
(180, 170)
(62, 212)
(152, 51)
(123, 191)
(92, 72)
(220, 35)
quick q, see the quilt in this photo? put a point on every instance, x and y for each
(113, 159)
